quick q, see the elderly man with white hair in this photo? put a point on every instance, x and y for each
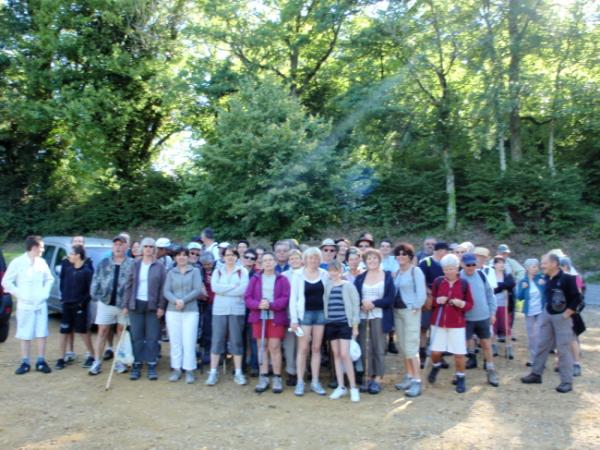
(451, 300)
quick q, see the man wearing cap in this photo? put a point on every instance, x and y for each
(432, 269)
(481, 317)
(483, 256)
(512, 266)
(195, 250)
(210, 245)
(162, 252)
(108, 289)
(329, 250)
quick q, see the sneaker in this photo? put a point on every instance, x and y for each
(152, 373)
(563, 388)
(213, 378)
(70, 357)
(175, 375)
(108, 354)
(392, 348)
(317, 388)
(23, 369)
(339, 392)
(136, 371)
(414, 390)
(291, 380)
(42, 366)
(190, 378)
(277, 385)
(120, 367)
(240, 379)
(88, 362)
(404, 384)
(299, 390)
(263, 384)
(471, 362)
(433, 374)
(576, 370)
(96, 368)
(355, 395)
(532, 378)
(60, 364)
(374, 388)
(461, 385)
(492, 377)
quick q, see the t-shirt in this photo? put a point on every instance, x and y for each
(268, 290)
(373, 292)
(335, 308)
(432, 269)
(535, 300)
(313, 295)
(142, 292)
(115, 285)
(484, 305)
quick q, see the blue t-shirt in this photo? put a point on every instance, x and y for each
(431, 269)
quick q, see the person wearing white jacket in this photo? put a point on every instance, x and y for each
(28, 278)
(307, 313)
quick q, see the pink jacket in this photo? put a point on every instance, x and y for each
(280, 302)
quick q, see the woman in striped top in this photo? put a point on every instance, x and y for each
(341, 303)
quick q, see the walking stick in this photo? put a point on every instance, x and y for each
(508, 337)
(367, 355)
(263, 325)
(112, 369)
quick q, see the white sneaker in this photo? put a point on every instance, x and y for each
(213, 378)
(120, 367)
(339, 392)
(239, 379)
(96, 368)
(70, 357)
(355, 395)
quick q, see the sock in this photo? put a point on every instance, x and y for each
(489, 366)
(40, 359)
(237, 371)
(25, 360)
(416, 380)
(437, 365)
(460, 374)
(213, 371)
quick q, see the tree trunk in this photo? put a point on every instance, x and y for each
(450, 191)
(514, 88)
(551, 164)
(501, 149)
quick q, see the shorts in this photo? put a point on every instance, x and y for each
(448, 340)
(408, 330)
(224, 326)
(272, 331)
(338, 330)
(32, 323)
(312, 318)
(481, 328)
(74, 318)
(109, 315)
(425, 319)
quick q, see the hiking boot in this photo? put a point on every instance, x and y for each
(495, 349)
(492, 377)
(108, 354)
(88, 362)
(299, 390)
(316, 387)
(339, 392)
(190, 378)
(563, 388)
(392, 348)
(239, 379)
(576, 370)
(532, 378)
(404, 384)
(136, 371)
(355, 395)
(96, 368)
(277, 385)
(414, 390)
(472, 361)
(152, 373)
(42, 366)
(213, 378)
(175, 375)
(120, 367)
(291, 380)
(433, 374)
(60, 364)
(263, 384)
(374, 388)
(23, 369)
(461, 386)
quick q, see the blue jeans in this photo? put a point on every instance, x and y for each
(313, 318)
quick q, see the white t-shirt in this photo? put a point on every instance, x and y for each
(535, 300)
(373, 292)
(142, 292)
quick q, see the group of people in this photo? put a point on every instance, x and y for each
(290, 308)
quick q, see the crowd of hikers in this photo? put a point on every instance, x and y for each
(298, 308)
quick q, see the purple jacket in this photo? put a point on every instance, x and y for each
(281, 298)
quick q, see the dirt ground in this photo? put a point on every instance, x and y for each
(70, 409)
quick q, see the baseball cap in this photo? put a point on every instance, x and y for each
(120, 238)
(481, 251)
(469, 258)
(328, 243)
(503, 248)
(224, 244)
(194, 246)
(148, 241)
(441, 246)
(163, 243)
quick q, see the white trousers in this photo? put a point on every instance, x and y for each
(183, 332)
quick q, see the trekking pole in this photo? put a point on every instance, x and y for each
(112, 369)
(367, 355)
(432, 338)
(263, 325)
(508, 337)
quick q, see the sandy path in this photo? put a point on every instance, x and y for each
(70, 409)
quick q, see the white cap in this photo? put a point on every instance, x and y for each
(163, 243)
(224, 244)
(194, 246)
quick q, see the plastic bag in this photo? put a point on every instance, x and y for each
(125, 353)
(355, 351)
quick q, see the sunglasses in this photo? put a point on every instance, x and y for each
(148, 246)
(363, 246)
(194, 254)
(250, 257)
(403, 254)
(471, 265)
(329, 250)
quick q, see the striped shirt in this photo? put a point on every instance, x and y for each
(335, 308)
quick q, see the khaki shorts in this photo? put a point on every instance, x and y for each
(109, 315)
(408, 330)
